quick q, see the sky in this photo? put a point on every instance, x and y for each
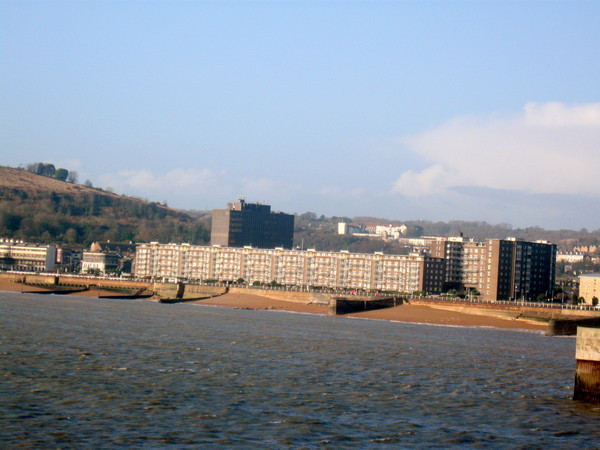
(405, 110)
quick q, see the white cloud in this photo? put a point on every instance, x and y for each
(147, 181)
(196, 186)
(548, 148)
(70, 164)
(432, 180)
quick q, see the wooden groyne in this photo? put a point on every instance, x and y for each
(51, 291)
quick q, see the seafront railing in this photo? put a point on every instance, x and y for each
(550, 305)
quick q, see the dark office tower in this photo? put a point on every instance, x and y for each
(253, 224)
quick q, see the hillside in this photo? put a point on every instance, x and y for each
(41, 209)
(312, 231)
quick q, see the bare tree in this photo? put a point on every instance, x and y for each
(72, 177)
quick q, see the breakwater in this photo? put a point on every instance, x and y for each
(347, 305)
(568, 327)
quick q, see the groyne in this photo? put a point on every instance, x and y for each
(347, 305)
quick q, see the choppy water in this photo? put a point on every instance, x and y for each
(78, 372)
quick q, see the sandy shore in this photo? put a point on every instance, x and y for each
(437, 316)
(11, 286)
(247, 301)
(404, 313)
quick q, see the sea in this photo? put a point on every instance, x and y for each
(97, 373)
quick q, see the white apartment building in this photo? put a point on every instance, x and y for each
(401, 273)
(103, 262)
(20, 256)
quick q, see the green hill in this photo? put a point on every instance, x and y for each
(42, 209)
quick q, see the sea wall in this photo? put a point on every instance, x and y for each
(516, 310)
(66, 280)
(122, 284)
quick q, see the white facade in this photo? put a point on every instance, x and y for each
(390, 231)
(292, 267)
(17, 255)
(350, 228)
(571, 257)
(99, 261)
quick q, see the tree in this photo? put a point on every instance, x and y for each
(594, 301)
(33, 167)
(88, 183)
(72, 177)
(46, 170)
(61, 174)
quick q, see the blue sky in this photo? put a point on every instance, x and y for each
(456, 110)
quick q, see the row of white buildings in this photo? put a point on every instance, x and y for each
(20, 256)
(496, 269)
(378, 272)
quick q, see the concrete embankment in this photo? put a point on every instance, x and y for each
(517, 310)
(561, 322)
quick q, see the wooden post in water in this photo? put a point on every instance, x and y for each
(587, 372)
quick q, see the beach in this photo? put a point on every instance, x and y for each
(403, 313)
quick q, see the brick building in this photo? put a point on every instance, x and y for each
(500, 269)
(242, 224)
